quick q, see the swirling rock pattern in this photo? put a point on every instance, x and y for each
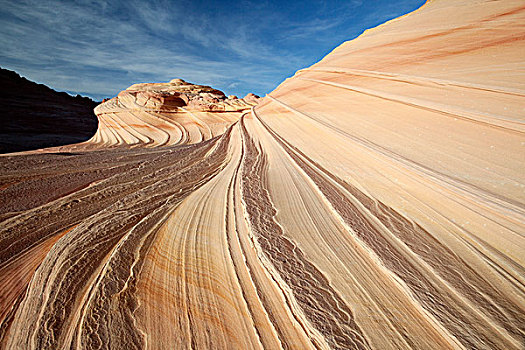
(373, 201)
(164, 114)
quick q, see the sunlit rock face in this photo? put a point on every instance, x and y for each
(252, 98)
(373, 201)
(163, 114)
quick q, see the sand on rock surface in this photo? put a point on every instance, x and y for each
(372, 201)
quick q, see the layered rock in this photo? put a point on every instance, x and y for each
(252, 98)
(372, 201)
(161, 114)
(412, 136)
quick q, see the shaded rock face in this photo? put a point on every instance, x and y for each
(372, 201)
(35, 116)
(156, 101)
(178, 112)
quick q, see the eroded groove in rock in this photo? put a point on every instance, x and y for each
(372, 201)
(310, 287)
(507, 314)
(89, 244)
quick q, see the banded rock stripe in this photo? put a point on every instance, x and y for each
(373, 201)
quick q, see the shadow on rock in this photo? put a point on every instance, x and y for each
(35, 116)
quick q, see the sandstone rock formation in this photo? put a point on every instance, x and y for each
(252, 98)
(164, 114)
(373, 201)
(35, 116)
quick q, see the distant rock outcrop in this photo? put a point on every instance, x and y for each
(373, 201)
(161, 114)
(36, 116)
(252, 98)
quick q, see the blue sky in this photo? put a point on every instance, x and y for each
(98, 48)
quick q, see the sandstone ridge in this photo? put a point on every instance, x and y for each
(161, 114)
(372, 201)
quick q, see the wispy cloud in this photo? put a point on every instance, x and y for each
(100, 47)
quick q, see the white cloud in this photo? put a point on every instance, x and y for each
(101, 47)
